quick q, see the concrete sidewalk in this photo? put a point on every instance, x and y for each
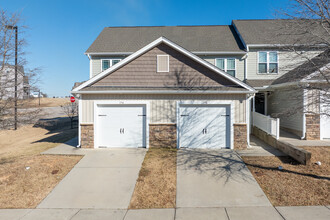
(222, 213)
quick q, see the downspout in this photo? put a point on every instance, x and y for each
(248, 117)
(304, 116)
(79, 119)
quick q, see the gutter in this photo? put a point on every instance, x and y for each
(161, 92)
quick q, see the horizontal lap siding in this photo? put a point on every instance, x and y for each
(162, 107)
(288, 106)
(287, 60)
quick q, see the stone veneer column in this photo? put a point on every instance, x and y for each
(162, 135)
(312, 127)
(87, 135)
(240, 136)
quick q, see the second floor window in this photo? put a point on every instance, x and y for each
(109, 63)
(226, 64)
(267, 62)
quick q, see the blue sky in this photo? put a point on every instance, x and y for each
(60, 31)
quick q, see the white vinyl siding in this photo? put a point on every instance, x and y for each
(163, 63)
(288, 60)
(163, 107)
(281, 101)
(227, 64)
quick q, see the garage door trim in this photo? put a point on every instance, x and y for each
(146, 104)
(224, 103)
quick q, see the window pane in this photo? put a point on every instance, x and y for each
(262, 57)
(262, 68)
(231, 72)
(220, 63)
(105, 64)
(273, 68)
(273, 57)
(115, 61)
(230, 64)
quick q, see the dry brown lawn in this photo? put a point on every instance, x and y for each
(44, 102)
(296, 184)
(156, 185)
(26, 188)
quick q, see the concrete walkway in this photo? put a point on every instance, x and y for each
(103, 179)
(296, 141)
(215, 178)
(221, 213)
(258, 148)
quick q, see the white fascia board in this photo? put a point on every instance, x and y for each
(161, 92)
(173, 45)
(109, 53)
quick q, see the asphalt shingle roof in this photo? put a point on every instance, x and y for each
(281, 31)
(192, 38)
(306, 69)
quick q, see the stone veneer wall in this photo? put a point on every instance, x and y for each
(162, 135)
(240, 136)
(87, 135)
(312, 127)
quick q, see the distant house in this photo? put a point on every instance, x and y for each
(192, 86)
(7, 83)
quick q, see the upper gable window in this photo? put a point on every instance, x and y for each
(107, 63)
(268, 62)
(226, 64)
(163, 63)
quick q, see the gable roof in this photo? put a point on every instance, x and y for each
(152, 45)
(280, 31)
(194, 38)
(306, 69)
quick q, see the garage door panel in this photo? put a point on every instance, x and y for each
(121, 126)
(204, 126)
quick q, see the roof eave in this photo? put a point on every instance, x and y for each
(162, 92)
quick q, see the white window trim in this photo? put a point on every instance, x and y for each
(111, 62)
(278, 63)
(225, 58)
(168, 64)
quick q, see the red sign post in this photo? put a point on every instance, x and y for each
(72, 99)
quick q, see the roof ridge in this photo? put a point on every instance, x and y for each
(210, 25)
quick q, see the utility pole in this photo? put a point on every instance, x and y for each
(15, 99)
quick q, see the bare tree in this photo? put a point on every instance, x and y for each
(307, 33)
(26, 79)
(71, 110)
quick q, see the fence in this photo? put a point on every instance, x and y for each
(267, 124)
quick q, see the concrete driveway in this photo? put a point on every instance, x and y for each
(103, 179)
(215, 178)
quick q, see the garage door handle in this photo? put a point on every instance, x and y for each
(102, 115)
(184, 115)
(204, 131)
(141, 115)
(122, 131)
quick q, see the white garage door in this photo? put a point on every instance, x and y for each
(325, 122)
(120, 126)
(204, 126)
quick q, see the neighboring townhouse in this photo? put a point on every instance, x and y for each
(277, 54)
(181, 86)
(7, 83)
